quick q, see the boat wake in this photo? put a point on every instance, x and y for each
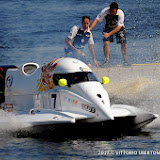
(140, 87)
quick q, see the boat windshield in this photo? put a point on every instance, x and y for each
(73, 78)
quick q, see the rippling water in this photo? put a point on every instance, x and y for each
(36, 30)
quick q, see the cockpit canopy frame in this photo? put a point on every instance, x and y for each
(74, 78)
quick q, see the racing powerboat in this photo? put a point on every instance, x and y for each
(64, 91)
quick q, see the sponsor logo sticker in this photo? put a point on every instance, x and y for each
(9, 81)
(88, 108)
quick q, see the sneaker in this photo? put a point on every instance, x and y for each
(126, 63)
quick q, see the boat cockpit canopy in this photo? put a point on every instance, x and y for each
(74, 78)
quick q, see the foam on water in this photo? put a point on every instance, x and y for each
(136, 85)
(10, 123)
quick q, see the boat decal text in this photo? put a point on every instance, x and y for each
(88, 108)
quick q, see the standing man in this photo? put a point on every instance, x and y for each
(113, 24)
(77, 39)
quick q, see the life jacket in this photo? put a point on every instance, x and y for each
(81, 39)
(111, 21)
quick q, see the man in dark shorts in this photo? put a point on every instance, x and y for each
(113, 25)
(77, 39)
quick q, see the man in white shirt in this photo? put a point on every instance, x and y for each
(77, 39)
(113, 24)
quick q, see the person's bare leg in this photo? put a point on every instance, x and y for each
(106, 50)
(124, 54)
(124, 51)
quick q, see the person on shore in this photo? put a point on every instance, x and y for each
(77, 39)
(113, 25)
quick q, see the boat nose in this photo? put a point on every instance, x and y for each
(106, 111)
(110, 116)
(155, 116)
(103, 103)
